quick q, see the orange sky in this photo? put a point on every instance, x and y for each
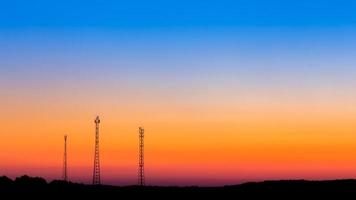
(226, 139)
(227, 91)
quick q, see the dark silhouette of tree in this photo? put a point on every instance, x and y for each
(30, 181)
(36, 187)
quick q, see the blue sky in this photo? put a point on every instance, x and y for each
(287, 40)
(183, 13)
(180, 62)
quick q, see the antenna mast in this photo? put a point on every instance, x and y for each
(141, 169)
(65, 176)
(96, 172)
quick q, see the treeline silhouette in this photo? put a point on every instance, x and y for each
(36, 187)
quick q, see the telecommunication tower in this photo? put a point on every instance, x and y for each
(141, 168)
(65, 175)
(96, 172)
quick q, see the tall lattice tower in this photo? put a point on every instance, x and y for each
(96, 172)
(141, 166)
(65, 175)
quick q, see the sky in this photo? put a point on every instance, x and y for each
(227, 91)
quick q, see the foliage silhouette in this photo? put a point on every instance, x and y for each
(36, 187)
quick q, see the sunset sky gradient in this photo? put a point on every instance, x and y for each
(228, 91)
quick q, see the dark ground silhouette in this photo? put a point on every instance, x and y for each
(35, 187)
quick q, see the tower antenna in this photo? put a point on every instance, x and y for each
(141, 166)
(96, 172)
(65, 175)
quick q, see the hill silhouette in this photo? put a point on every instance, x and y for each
(36, 187)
